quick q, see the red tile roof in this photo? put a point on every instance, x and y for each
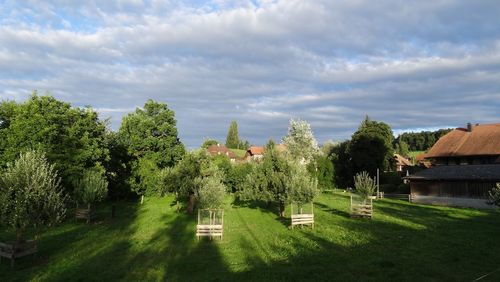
(256, 150)
(221, 150)
(482, 140)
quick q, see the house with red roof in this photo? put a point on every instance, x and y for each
(465, 167)
(257, 152)
(219, 149)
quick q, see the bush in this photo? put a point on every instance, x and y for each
(92, 188)
(30, 193)
(364, 184)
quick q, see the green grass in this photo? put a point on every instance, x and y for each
(403, 242)
(238, 152)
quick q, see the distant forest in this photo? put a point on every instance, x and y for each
(421, 141)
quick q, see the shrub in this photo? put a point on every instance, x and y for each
(494, 195)
(364, 184)
(30, 193)
(92, 188)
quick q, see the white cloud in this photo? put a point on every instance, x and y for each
(423, 64)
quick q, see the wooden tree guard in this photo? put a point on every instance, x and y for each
(213, 228)
(84, 213)
(302, 219)
(364, 209)
(14, 250)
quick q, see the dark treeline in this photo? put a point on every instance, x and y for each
(421, 141)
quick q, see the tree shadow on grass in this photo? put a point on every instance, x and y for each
(67, 252)
(431, 246)
(332, 210)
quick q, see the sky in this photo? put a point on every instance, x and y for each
(414, 65)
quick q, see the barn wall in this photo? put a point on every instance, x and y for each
(453, 201)
(453, 189)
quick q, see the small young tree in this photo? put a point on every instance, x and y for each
(92, 188)
(365, 185)
(494, 195)
(211, 190)
(303, 188)
(180, 180)
(267, 181)
(300, 141)
(30, 194)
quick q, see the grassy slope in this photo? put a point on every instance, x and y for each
(239, 153)
(403, 242)
(413, 154)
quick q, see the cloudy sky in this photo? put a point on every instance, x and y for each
(427, 64)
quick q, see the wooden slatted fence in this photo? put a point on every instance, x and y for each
(214, 228)
(13, 251)
(302, 219)
(363, 209)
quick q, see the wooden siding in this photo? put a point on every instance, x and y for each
(460, 189)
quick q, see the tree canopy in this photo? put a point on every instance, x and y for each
(151, 132)
(300, 141)
(150, 136)
(421, 141)
(72, 138)
(233, 138)
(371, 147)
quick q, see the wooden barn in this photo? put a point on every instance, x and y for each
(465, 167)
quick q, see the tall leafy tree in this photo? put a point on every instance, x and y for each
(232, 138)
(73, 138)
(300, 141)
(371, 147)
(322, 169)
(342, 163)
(402, 148)
(151, 137)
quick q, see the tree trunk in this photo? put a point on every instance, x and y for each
(19, 236)
(282, 210)
(190, 207)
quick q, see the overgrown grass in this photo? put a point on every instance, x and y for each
(403, 242)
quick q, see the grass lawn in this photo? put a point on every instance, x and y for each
(403, 242)
(238, 152)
